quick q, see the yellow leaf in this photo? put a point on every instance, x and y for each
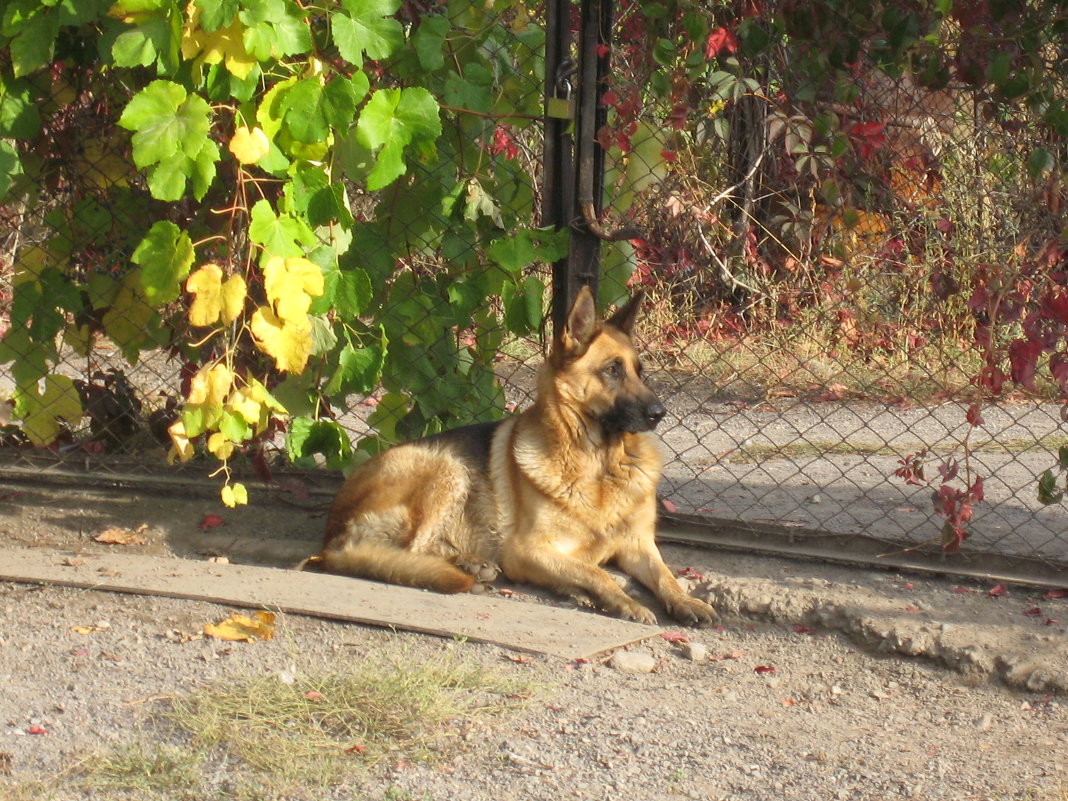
(288, 343)
(214, 299)
(223, 45)
(181, 447)
(234, 495)
(123, 536)
(128, 317)
(210, 386)
(47, 403)
(290, 285)
(220, 447)
(243, 628)
(249, 145)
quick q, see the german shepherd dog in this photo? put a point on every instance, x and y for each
(548, 495)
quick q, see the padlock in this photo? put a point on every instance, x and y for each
(560, 108)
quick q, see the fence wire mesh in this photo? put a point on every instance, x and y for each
(839, 252)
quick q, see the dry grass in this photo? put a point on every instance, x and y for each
(265, 738)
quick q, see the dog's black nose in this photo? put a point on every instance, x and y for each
(654, 413)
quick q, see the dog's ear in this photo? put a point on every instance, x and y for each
(581, 327)
(627, 315)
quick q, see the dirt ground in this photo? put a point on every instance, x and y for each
(823, 682)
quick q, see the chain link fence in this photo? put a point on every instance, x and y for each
(820, 248)
(827, 247)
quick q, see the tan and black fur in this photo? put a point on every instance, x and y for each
(548, 495)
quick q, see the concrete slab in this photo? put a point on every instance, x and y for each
(565, 633)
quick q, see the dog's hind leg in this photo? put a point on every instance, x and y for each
(384, 562)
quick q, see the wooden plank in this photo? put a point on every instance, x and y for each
(566, 633)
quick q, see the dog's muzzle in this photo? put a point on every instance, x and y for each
(633, 418)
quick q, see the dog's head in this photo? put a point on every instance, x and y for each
(597, 370)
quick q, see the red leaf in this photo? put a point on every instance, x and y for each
(668, 505)
(355, 749)
(998, 591)
(763, 669)
(804, 630)
(1023, 358)
(1052, 621)
(35, 729)
(912, 608)
(313, 695)
(720, 40)
(908, 585)
(1058, 593)
(974, 415)
(211, 521)
(691, 573)
(1034, 611)
(603, 50)
(869, 137)
(674, 636)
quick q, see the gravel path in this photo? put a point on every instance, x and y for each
(806, 691)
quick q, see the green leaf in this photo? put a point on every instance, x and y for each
(10, 166)
(33, 32)
(512, 253)
(359, 370)
(171, 138)
(275, 29)
(308, 437)
(280, 235)
(215, 14)
(523, 305)
(1048, 491)
(19, 117)
(153, 40)
(366, 27)
(391, 120)
(165, 256)
(353, 293)
(1062, 456)
(429, 41)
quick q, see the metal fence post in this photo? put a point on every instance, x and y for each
(574, 160)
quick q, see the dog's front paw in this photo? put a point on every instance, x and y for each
(691, 611)
(632, 610)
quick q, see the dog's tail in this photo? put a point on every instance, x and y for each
(383, 562)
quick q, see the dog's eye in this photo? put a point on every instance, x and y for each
(615, 369)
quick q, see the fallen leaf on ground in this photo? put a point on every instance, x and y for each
(998, 591)
(1034, 611)
(123, 536)
(243, 628)
(668, 506)
(798, 629)
(1058, 593)
(211, 521)
(674, 636)
(763, 669)
(691, 573)
(35, 729)
(314, 695)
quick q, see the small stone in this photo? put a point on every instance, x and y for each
(694, 651)
(632, 662)
(985, 722)
(817, 498)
